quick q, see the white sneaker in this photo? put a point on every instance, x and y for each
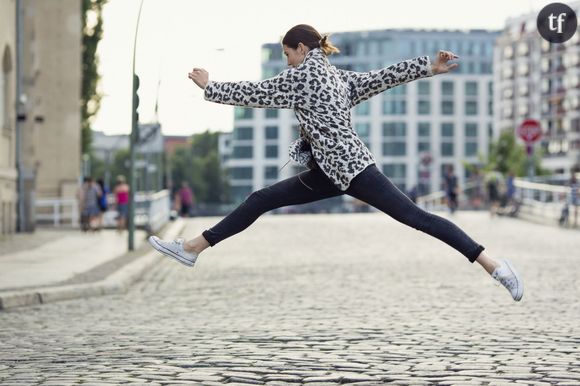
(509, 278)
(173, 249)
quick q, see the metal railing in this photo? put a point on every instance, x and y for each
(536, 201)
(152, 211)
(57, 212)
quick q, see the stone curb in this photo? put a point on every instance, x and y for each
(116, 283)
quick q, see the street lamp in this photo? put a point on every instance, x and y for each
(133, 142)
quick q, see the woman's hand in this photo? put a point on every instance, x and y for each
(440, 66)
(199, 76)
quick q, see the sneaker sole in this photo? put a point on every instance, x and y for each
(160, 248)
(520, 292)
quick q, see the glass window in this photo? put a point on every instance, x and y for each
(271, 172)
(470, 149)
(243, 133)
(470, 88)
(447, 88)
(395, 170)
(241, 173)
(424, 129)
(394, 129)
(242, 152)
(271, 151)
(447, 129)
(399, 90)
(394, 107)
(423, 146)
(471, 108)
(424, 87)
(447, 148)
(471, 130)
(363, 129)
(424, 107)
(447, 107)
(239, 193)
(271, 113)
(271, 132)
(362, 109)
(396, 148)
(243, 113)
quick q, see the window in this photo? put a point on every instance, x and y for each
(271, 132)
(271, 113)
(242, 152)
(424, 129)
(240, 192)
(243, 113)
(5, 70)
(447, 129)
(271, 151)
(470, 108)
(394, 129)
(424, 107)
(471, 130)
(447, 107)
(241, 173)
(271, 172)
(394, 107)
(397, 173)
(446, 148)
(362, 109)
(471, 88)
(399, 90)
(424, 87)
(470, 149)
(243, 133)
(447, 88)
(363, 129)
(424, 147)
(395, 148)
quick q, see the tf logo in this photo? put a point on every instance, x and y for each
(557, 22)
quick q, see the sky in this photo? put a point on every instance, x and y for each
(225, 38)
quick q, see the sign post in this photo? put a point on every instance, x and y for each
(530, 131)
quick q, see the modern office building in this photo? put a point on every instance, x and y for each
(442, 120)
(539, 80)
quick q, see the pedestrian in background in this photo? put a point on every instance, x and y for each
(451, 189)
(89, 195)
(574, 201)
(103, 204)
(322, 97)
(121, 192)
(186, 199)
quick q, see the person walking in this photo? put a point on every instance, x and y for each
(89, 195)
(185, 199)
(322, 97)
(451, 189)
(121, 192)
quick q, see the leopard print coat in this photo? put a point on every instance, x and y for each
(322, 97)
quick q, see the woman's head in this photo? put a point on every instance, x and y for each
(302, 38)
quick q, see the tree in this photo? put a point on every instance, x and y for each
(200, 166)
(90, 98)
(506, 155)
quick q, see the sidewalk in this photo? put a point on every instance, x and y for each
(59, 265)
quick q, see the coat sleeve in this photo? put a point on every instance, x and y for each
(364, 85)
(277, 92)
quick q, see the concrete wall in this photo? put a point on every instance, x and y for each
(8, 191)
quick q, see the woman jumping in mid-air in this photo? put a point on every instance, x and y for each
(322, 97)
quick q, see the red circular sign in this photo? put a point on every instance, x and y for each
(530, 130)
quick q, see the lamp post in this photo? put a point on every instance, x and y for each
(133, 139)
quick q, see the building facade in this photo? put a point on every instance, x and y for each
(8, 173)
(414, 130)
(538, 80)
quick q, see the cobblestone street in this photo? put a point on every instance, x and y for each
(320, 300)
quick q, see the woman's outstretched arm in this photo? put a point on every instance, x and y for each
(277, 92)
(364, 85)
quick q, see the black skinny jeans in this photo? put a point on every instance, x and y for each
(370, 186)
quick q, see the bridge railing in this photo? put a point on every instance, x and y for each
(152, 211)
(540, 201)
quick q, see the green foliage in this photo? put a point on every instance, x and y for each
(200, 166)
(507, 154)
(90, 98)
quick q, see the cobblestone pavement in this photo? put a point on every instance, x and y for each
(319, 300)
